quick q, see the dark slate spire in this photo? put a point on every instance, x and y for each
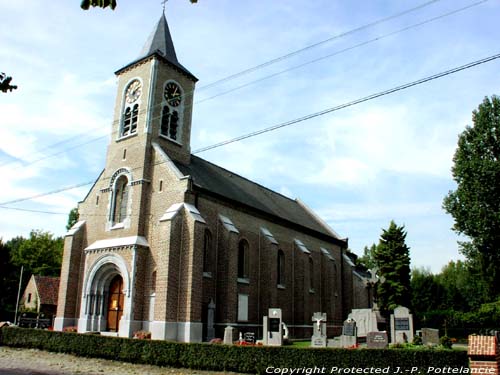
(160, 43)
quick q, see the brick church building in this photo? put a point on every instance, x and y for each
(170, 243)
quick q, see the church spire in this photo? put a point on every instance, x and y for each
(160, 43)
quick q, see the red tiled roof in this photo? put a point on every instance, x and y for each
(48, 288)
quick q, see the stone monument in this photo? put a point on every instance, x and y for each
(229, 333)
(318, 338)
(273, 332)
(430, 336)
(401, 326)
(210, 320)
(377, 340)
(349, 336)
(366, 321)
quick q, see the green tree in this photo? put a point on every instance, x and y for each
(392, 259)
(9, 281)
(5, 83)
(40, 254)
(475, 204)
(367, 258)
(426, 291)
(72, 218)
(86, 4)
(463, 287)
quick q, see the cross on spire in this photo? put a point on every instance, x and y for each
(164, 2)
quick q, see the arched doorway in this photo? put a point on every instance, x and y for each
(115, 303)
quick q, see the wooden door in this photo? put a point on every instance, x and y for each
(115, 303)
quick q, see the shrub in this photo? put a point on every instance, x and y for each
(417, 340)
(249, 359)
(445, 342)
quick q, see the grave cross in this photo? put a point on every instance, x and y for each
(319, 318)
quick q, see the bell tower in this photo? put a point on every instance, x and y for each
(155, 97)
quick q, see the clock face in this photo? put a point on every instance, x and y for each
(133, 92)
(173, 94)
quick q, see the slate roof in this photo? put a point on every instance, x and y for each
(160, 43)
(228, 185)
(48, 288)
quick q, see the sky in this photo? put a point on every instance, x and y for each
(360, 167)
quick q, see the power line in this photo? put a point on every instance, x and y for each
(142, 111)
(338, 36)
(297, 120)
(415, 25)
(349, 104)
(36, 211)
(241, 73)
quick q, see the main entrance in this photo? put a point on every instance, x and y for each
(115, 303)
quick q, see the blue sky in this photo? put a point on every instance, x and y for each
(358, 168)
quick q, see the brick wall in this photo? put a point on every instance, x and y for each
(484, 356)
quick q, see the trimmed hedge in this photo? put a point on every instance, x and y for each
(248, 359)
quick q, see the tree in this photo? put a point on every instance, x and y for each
(40, 254)
(463, 288)
(426, 291)
(9, 281)
(86, 4)
(72, 218)
(475, 204)
(367, 258)
(392, 259)
(5, 83)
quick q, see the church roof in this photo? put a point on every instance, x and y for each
(226, 185)
(160, 43)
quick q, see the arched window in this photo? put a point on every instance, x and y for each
(243, 259)
(281, 268)
(169, 123)
(120, 200)
(207, 246)
(131, 108)
(311, 274)
(171, 111)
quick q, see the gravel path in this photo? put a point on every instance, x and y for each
(15, 361)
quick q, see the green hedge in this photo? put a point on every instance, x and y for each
(248, 359)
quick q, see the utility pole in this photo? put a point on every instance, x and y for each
(18, 294)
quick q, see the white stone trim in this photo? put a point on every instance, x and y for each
(301, 246)
(228, 224)
(152, 85)
(118, 242)
(268, 235)
(75, 228)
(327, 253)
(174, 209)
(348, 260)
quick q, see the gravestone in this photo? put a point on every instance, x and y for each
(229, 335)
(210, 320)
(377, 340)
(349, 336)
(318, 338)
(273, 335)
(366, 321)
(430, 336)
(401, 326)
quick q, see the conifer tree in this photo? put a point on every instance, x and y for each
(392, 258)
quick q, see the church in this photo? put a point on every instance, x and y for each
(170, 243)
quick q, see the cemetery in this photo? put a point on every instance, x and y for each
(366, 339)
